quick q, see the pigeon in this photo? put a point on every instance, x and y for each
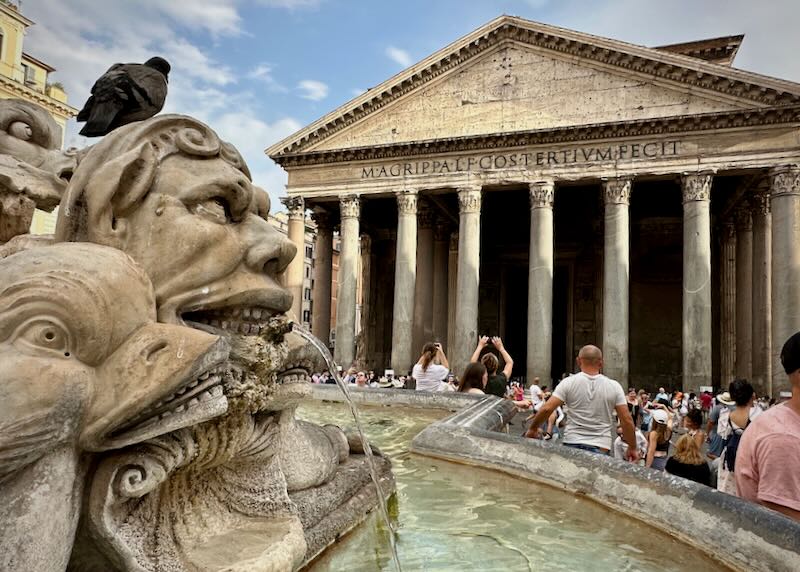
(125, 93)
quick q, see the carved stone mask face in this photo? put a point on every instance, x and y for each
(179, 201)
(82, 359)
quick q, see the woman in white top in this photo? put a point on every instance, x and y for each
(430, 375)
(474, 379)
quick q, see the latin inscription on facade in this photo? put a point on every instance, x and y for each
(525, 160)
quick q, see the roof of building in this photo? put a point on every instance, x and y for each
(38, 62)
(668, 63)
(720, 50)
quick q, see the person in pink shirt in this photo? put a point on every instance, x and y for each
(768, 459)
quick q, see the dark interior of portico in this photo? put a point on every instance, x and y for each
(656, 272)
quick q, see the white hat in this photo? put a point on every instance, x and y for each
(660, 416)
(725, 398)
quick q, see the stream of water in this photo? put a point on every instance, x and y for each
(326, 355)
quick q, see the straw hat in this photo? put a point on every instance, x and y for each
(725, 398)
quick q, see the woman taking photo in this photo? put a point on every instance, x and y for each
(474, 379)
(430, 372)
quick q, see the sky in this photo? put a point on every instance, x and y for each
(258, 70)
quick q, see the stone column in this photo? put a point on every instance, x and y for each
(616, 279)
(696, 281)
(452, 291)
(405, 276)
(323, 276)
(540, 283)
(728, 306)
(762, 295)
(441, 238)
(365, 334)
(349, 207)
(423, 289)
(744, 293)
(785, 207)
(468, 281)
(296, 232)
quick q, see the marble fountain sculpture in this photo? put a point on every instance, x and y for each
(184, 454)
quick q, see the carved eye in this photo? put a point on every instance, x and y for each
(215, 209)
(43, 334)
(20, 130)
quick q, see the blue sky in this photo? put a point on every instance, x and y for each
(258, 70)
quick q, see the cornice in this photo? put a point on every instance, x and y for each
(52, 105)
(677, 124)
(686, 70)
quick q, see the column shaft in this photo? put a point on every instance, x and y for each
(423, 289)
(469, 244)
(452, 291)
(728, 307)
(365, 322)
(762, 296)
(296, 232)
(616, 279)
(744, 294)
(785, 207)
(344, 353)
(323, 273)
(441, 239)
(405, 276)
(540, 283)
(696, 281)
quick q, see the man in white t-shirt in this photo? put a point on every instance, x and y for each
(591, 399)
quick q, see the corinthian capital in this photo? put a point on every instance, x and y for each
(744, 221)
(454, 241)
(785, 180)
(469, 200)
(349, 206)
(406, 202)
(322, 219)
(696, 187)
(425, 216)
(541, 194)
(296, 207)
(617, 191)
(760, 203)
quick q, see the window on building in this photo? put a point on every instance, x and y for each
(309, 252)
(29, 73)
(308, 272)
(306, 316)
(2, 43)
(307, 294)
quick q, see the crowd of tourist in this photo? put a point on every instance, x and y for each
(741, 443)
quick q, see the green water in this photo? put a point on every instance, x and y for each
(455, 517)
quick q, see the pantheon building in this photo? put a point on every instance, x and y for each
(556, 189)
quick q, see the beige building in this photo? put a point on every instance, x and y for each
(23, 76)
(558, 189)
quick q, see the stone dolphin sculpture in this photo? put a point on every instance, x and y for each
(84, 367)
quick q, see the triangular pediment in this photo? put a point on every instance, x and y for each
(516, 75)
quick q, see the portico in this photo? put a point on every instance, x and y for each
(590, 191)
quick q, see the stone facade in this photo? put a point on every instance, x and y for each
(592, 186)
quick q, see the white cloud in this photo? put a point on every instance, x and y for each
(400, 56)
(263, 73)
(356, 91)
(290, 4)
(313, 89)
(219, 17)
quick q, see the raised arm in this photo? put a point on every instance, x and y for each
(509, 367)
(442, 357)
(477, 353)
(544, 412)
(628, 431)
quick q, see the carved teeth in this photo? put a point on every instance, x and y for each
(205, 375)
(256, 313)
(216, 391)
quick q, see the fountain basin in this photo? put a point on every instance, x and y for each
(754, 538)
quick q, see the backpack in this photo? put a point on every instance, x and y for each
(731, 446)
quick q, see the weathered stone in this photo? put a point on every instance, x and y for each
(85, 367)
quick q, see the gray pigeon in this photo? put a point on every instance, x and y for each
(125, 93)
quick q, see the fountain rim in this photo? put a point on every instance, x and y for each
(757, 538)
